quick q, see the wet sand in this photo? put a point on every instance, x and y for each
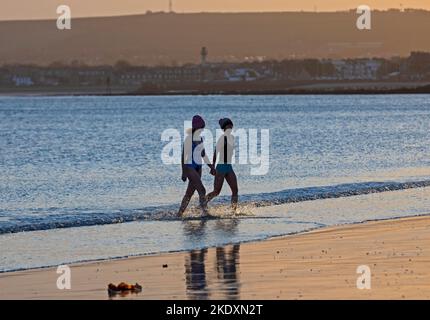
(320, 264)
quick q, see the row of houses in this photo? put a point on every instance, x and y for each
(357, 70)
(415, 67)
(140, 75)
(25, 76)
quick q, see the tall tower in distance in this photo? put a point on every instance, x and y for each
(170, 6)
(204, 55)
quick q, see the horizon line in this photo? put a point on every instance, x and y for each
(149, 12)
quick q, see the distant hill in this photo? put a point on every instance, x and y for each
(162, 38)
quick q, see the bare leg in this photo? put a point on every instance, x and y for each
(232, 182)
(195, 183)
(186, 200)
(218, 182)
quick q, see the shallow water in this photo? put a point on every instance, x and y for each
(53, 247)
(87, 161)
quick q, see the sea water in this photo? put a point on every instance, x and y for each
(82, 178)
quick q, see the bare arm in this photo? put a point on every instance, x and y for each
(206, 160)
(182, 160)
(184, 177)
(214, 158)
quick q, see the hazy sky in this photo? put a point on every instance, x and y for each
(41, 9)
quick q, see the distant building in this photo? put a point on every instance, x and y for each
(93, 75)
(22, 81)
(362, 69)
(139, 76)
(416, 66)
(4, 79)
(203, 56)
(241, 74)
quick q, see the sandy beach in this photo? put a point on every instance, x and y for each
(320, 264)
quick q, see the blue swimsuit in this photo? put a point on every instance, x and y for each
(197, 165)
(225, 167)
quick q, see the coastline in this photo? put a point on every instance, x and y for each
(234, 88)
(319, 264)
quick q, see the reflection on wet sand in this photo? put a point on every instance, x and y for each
(195, 275)
(212, 276)
(227, 261)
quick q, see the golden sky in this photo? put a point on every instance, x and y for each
(42, 9)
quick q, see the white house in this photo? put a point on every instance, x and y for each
(21, 81)
(241, 74)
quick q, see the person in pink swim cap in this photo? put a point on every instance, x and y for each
(193, 157)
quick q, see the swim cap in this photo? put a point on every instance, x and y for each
(198, 122)
(224, 122)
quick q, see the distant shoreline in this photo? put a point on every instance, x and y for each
(234, 88)
(425, 90)
(287, 88)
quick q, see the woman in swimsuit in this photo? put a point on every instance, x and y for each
(193, 156)
(224, 169)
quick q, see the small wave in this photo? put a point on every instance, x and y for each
(55, 218)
